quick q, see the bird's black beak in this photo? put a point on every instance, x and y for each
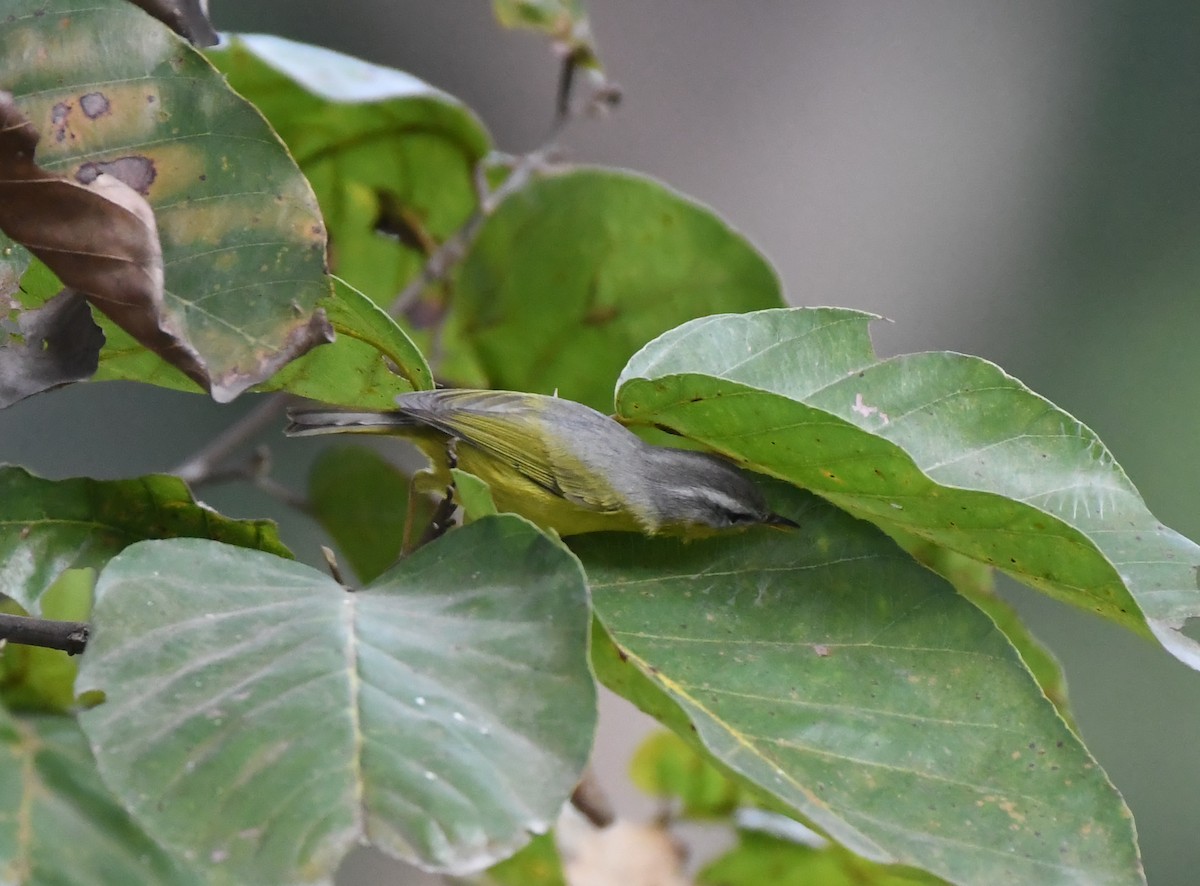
(780, 521)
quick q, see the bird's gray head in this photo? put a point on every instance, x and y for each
(692, 489)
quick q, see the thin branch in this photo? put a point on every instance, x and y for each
(454, 247)
(69, 636)
(335, 571)
(566, 83)
(256, 470)
(200, 467)
(208, 467)
(441, 521)
(591, 801)
(440, 262)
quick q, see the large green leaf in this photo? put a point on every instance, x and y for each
(372, 361)
(665, 766)
(59, 824)
(938, 445)
(977, 582)
(777, 850)
(834, 672)
(443, 713)
(763, 858)
(574, 272)
(111, 90)
(47, 526)
(392, 159)
(538, 864)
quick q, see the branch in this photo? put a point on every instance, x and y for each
(454, 247)
(591, 802)
(256, 470)
(69, 636)
(204, 464)
(450, 253)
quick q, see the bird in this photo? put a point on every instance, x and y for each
(560, 464)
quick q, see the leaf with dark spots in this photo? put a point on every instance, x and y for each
(48, 347)
(188, 18)
(137, 172)
(241, 237)
(393, 162)
(94, 104)
(99, 238)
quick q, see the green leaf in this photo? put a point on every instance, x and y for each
(938, 445)
(443, 713)
(572, 273)
(60, 825)
(772, 848)
(473, 495)
(761, 858)
(392, 159)
(976, 581)
(372, 361)
(538, 864)
(564, 21)
(35, 678)
(664, 766)
(362, 500)
(854, 685)
(47, 526)
(112, 90)
(14, 260)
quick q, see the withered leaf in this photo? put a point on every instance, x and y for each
(48, 347)
(98, 237)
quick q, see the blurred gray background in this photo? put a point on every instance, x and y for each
(1016, 180)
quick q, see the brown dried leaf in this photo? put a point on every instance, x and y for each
(99, 237)
(187, 18)
(49, 347)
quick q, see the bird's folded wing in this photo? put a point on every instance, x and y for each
(474, 420)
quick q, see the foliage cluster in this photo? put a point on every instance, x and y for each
(852, 696)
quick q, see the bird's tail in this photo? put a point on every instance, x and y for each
(311, 422)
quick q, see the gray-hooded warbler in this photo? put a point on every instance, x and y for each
(558, 463)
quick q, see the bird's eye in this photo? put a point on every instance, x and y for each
(740, 518)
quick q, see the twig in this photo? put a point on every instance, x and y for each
(566, 82)
(441, 521)
(200, 468)
(206, 467)
(454, 248)
(256, 470)
(591, 801)
(69, 636)
(335, 571)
